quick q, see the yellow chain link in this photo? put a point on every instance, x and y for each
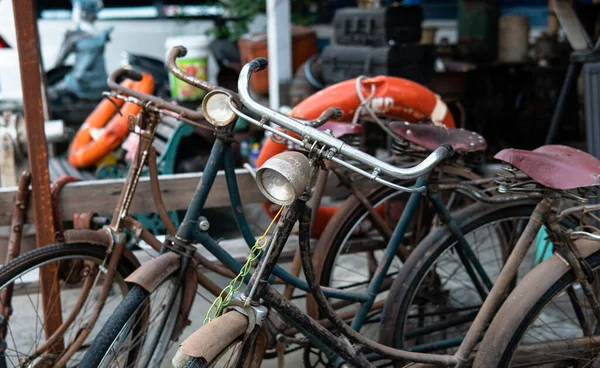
(227, 293)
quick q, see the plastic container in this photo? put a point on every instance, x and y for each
(514, 39)
(254, 153)
(194, 63)
(304, 45)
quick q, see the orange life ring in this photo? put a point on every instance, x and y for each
(389, 96)
(84, 150)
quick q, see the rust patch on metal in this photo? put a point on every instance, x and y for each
(203, 342)
(33, 106)
(151, 274)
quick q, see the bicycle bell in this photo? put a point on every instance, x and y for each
(283, 177)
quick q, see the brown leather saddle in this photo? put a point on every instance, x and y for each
(555, 166)
(432, 136)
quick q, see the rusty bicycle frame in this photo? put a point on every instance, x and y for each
(144, 124)
(113, 235)
(350, 346)
(299, 211)
(180, 240)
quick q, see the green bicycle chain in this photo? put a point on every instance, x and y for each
(224, 298)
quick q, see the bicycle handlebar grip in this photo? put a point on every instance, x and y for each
(133, 75)
(181, 51)
(258, 64)
(337, 113)
(449, 150)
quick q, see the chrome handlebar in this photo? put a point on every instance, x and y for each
(144, 97)
(332, 145)
(580, 234)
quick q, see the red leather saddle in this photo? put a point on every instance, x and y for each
(432, 136)
(555, 166)
(340, 129)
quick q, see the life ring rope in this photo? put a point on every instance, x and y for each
(388, 96)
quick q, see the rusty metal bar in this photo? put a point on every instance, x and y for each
(31, 84)
(495, 298)
(161, 209)
(14, 245)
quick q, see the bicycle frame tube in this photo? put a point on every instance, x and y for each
(189, 229)
(190, 221)
(474, 269)
(506, 276)
(464, 250)
(390, 252)
(242, 224)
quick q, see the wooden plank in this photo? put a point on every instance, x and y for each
(33, 106)
(101, 196)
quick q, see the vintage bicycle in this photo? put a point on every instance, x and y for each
(125, 328)
(76, 333)
(92, 267)
(571, 264)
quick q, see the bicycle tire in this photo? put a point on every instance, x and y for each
(408, 282)
(134, 299)
(36, 258)
(52, 251)
(525, 304)
(121, 323)
(350, 214)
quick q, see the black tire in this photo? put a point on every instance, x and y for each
(524, 306)
(113, 327)
(28, 263)
(38, 256)
(352, 214)
(439, 243)
(129, 327)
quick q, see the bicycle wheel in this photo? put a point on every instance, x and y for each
(546, 321)
(80, 269)
(435, 296)
(218, 344)
(349, 250)
(353, 243)
(138, 333)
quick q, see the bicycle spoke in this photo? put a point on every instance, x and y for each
(13, 340)
(28, 344)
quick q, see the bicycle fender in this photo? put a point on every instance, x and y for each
(97, 237)
(210, 340)
(154, 272)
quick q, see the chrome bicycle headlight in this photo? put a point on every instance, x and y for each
(283, 177)
(216, 110)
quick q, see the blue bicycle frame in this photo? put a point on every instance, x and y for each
(221, 156)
